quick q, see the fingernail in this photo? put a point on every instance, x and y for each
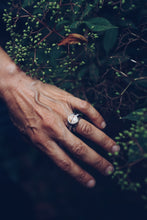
(103, 124)
(91, 183)
(109, 170)
(115, 148)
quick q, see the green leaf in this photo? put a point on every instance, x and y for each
(75, 24)
(135, 115)
(37, 11)
(28, 3)
(87, 10)
(110, 38)
(99, 24)
(143, 142)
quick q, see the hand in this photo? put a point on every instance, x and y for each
(40, 111)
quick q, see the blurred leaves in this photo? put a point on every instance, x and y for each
(136, 155)
(93, 73)
(142, 82)
(82, 72)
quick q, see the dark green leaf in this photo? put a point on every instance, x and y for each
(75, 25)
(142, 140)
(86, 11)
(93, 73)
(99, 24)
(27, 3)
(135, 115)
(110, 38)
(37, 11)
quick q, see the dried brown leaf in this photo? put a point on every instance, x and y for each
(73, 39)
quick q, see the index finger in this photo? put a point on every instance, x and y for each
(87, 109)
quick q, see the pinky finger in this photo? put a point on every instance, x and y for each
(63, 161)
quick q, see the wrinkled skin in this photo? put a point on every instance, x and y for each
(40, 112)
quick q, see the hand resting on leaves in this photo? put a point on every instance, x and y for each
(40, 111)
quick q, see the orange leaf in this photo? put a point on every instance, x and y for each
(73, 39)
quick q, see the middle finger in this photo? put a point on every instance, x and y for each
(89, 131)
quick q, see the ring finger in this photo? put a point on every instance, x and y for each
(85, 153)
(63, 161)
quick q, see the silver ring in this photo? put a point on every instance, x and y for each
(73, 120)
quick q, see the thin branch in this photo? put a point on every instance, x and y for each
(122, 73)
(126, 88)
(45, 37)
(140, 78)
(138, 37)
(41, 22)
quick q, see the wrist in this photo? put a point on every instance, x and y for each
(14, 85)
(10, 75)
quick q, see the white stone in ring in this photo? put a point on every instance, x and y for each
(73, 119)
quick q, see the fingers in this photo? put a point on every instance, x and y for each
(89, 131)
(85, 153)
(63, 161)
(88, 110)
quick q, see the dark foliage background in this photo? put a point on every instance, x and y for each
(109, 72)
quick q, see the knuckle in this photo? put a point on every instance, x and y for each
(48, 122)
(85, 105)
(82, 176)
(100, 164)
(65, 165)
(53, 128)
(60, 134)
(86, 129)
(47, 147)
(79, 149)
(41, 147)
(36, 137)
(67, 98)
(96, 116)
(107, 142)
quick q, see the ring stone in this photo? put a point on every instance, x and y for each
(73, 119)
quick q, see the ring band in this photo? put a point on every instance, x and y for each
(73, 120)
